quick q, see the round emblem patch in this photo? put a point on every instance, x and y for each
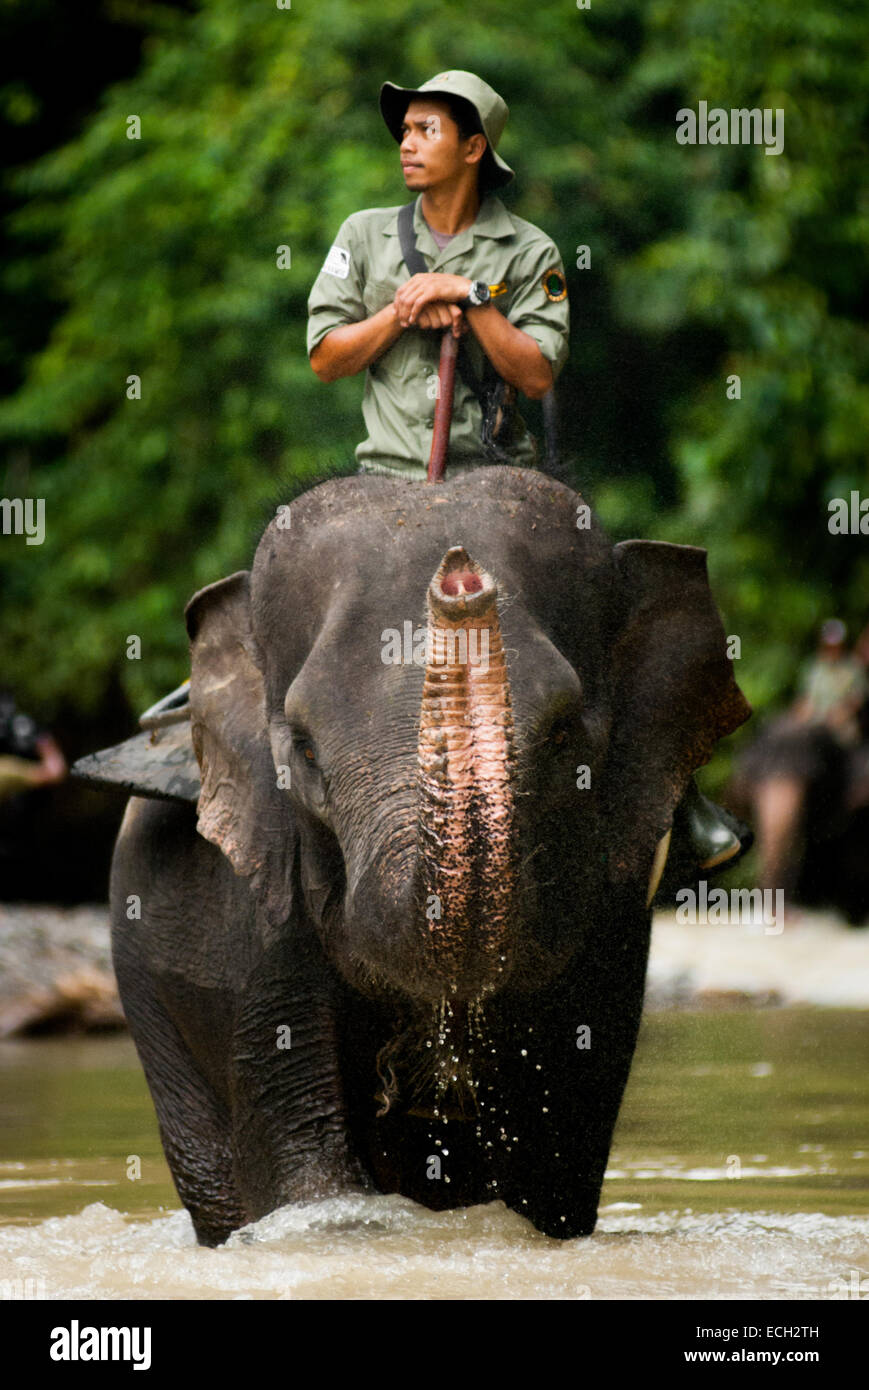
(554, 285)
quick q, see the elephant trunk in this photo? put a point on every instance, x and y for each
(466, 825)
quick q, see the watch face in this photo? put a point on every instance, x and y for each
(480, 292)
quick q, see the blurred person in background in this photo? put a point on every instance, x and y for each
(29, 758)
(834, 686)
(29, 755)
(802, 776)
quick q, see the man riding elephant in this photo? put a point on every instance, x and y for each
(364, 878)
(496, 281)
(807, 776)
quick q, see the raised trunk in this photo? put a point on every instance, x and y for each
(467, 831)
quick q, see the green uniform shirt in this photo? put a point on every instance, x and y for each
(826, 684)
(360, 276)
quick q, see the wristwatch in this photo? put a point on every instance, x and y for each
(479, 295)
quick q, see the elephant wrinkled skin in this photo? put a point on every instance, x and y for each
(418, 967)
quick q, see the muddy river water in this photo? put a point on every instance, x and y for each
(739, 1169)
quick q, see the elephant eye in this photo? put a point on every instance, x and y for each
(560, 731)
(564, 722)
(304, 747)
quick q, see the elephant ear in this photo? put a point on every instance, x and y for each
(673, 694)
(241, 809)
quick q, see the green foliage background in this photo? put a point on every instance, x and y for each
(260, 128)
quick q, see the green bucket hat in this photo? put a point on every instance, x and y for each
(491, 109)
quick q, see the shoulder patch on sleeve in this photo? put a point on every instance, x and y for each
(337, 263)
(554, 285)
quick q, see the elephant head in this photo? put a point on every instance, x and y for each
(449, 726)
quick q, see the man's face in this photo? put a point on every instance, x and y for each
(832, 651)
(432, 154)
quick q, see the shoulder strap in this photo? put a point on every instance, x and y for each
(413, 257)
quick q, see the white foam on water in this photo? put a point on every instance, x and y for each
(387, 1247)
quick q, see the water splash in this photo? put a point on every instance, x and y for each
(385, 1247)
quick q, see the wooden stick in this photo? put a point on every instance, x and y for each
(444, 409)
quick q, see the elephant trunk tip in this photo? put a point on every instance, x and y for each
(460, 587)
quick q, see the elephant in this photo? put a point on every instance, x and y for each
(808, 795)
(399, 942)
